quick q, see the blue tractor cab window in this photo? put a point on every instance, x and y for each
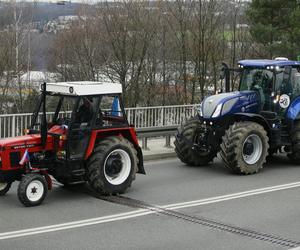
(260, 80)
(289, 82)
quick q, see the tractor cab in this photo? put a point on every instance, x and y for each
(276, 81)
(74, 110)
(266, 87)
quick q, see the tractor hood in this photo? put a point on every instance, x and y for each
(29, 141)
(25, 141)
(217, 106)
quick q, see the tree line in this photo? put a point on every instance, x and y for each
(162, 52)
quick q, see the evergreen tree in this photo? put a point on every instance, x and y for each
(276, 25)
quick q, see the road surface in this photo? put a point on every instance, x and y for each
(173, 207)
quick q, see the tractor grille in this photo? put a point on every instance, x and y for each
(15, 158)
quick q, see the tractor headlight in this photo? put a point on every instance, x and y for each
(228, 105)
(217, 110)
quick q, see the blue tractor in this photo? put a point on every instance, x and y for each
(245, 126)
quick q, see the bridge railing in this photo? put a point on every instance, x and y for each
(142, 117)
(160, 116)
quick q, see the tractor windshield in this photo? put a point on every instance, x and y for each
(257, 79)
(260, 80)
(79, 111)
(58, 108)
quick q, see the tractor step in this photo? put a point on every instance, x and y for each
(285, 136)
(79, 172)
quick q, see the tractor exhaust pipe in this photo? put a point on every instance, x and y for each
(225, 74)
(44, 119)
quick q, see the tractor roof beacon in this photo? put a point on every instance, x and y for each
(246, 126)
(86, 138)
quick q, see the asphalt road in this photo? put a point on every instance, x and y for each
(75, 219)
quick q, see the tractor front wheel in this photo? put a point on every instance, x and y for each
(245, 147)
(113, 165)
(32, 190)
(4, 187)
(184, 145)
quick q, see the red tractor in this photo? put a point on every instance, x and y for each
(87, 139)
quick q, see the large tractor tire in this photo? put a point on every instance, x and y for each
(295, 154)
(244, 148)
(32, 190)
(112, 166)
(4, 187)
(184, 145)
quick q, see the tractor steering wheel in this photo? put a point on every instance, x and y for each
(64, 121)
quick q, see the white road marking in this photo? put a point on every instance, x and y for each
(74, 224)
(231, 196)
(297, 248)
(143, 212)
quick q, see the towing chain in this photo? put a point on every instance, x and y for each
(202, 221)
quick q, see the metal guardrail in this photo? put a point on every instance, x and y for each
(12, 125)
(160, 116)
(145, 133)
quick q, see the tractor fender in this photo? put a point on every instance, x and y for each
(293, 111)
(128, 133)
(48, 179)
(252, 117)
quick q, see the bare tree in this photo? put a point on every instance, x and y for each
(14, 54)
(130, 29)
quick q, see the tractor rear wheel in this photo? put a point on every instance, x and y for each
(295, 154)
(184, 145)
(32, 190)
(245, 147)
(4, 187)
(112, 166)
